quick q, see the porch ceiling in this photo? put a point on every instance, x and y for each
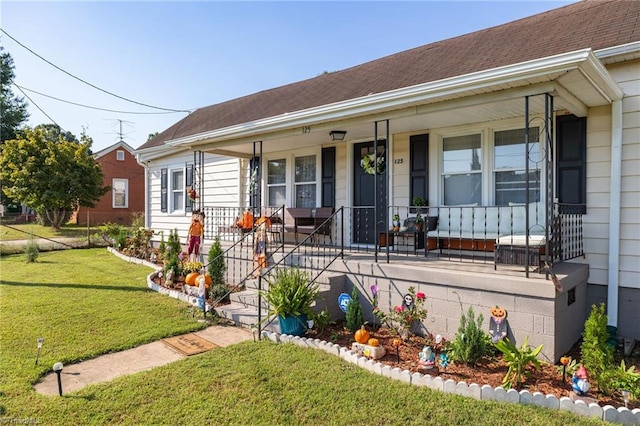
(577, 80)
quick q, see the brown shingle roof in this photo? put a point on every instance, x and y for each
(591, 24)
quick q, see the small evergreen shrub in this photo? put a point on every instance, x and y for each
(471, 342)
(31, 250)
(597, 354)
(354, 318)
(219, 293)
(216, 267)
(173, 243)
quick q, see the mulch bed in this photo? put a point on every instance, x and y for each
(490, 370)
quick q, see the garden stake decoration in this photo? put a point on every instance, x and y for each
(57, 367)
(565, 360)
(397, 343)
(39, 341)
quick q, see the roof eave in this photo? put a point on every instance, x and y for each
(458, 86)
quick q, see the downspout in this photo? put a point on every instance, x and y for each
(614, 212)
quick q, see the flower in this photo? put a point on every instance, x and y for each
(420, 295)
(399, 309)
(401, 318)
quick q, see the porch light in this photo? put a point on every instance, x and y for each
(337, 135)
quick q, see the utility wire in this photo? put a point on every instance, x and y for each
(37, 106)
(88, 106)
(89, 84)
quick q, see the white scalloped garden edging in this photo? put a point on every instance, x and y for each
(191, 299)
(607, 413)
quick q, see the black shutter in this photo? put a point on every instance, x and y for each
(419, 167)
(189, 183)
(328, 177)
(571, 178)
(163, 190)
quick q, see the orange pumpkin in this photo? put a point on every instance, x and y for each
(397, 342)
(373, 342)
(498, 312)
(191, 278)
(362, 335)
(565, 360)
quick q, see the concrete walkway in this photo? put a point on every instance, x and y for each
(108, 367)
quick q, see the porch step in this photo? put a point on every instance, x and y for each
(243, 306)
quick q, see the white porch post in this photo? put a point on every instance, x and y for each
(614, 212)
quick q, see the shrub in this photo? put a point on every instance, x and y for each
(626, 379)
(402, 318)
(471, 342)
(354, 318)
(137, 220)
(517, 360)
(31, 250)
(173, 243)
(597, 354)
(321, 320)
(217, 267)
(219, 293)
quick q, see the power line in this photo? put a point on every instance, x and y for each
(89, 84)
(37, 106)
(89, 106)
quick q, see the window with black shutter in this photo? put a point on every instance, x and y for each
(329, 177)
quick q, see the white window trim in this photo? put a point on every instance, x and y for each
(172, 209)
(483, 158)
(126, 193)
(290, 158)
(120, 153)
(268, 185)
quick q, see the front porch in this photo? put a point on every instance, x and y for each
(454, 276)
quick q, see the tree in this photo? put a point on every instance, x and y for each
(51, 171)
(13, 109)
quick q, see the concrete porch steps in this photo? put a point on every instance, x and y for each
(243, 306)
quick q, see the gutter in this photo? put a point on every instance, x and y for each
(614, 213)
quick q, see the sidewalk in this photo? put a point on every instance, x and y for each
(108, 367)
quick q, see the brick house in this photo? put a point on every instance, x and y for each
(125, 176)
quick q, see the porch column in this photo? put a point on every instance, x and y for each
(614, 212)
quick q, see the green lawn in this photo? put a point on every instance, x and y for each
(23, 231)
(88, 302)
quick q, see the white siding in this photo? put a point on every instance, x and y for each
(596, 226)
(220, 188)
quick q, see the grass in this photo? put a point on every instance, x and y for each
(88, 302)
(23, 231)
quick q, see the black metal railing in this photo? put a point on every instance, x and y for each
(309, 256)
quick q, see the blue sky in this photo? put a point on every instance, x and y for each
(185, 55)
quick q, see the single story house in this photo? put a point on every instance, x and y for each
(520, 142)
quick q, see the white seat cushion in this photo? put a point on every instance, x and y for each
(521, 240)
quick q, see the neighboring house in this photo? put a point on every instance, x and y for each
(448, 122)
(125, 176)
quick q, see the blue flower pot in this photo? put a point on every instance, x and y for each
(294, 326)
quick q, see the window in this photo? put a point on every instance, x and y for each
(509, 166)
(305, 181)
(120, 190)
(120, 155)
(462, 171)
(276, 182)
(177, 190)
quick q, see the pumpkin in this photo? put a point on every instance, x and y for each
(373, 342)
(207, 280)
(397, 342)
(565, 360)
(362, 335)
(498, 312)
(191, 278)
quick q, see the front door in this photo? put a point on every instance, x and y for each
(370, 192)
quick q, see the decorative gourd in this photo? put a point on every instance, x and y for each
(565, 360)
(397, 342)
(373, 342)
(362, 335)
(191, 278)
(498, 312)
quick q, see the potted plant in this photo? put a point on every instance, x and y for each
(290, 296)
(396, 222)
(419, 202)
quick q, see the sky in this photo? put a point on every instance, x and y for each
(186, 55)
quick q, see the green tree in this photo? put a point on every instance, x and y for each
(51, 171)
(13, 109)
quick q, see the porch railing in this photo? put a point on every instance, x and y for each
(452, 233)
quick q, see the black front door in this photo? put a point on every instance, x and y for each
(370, 192)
